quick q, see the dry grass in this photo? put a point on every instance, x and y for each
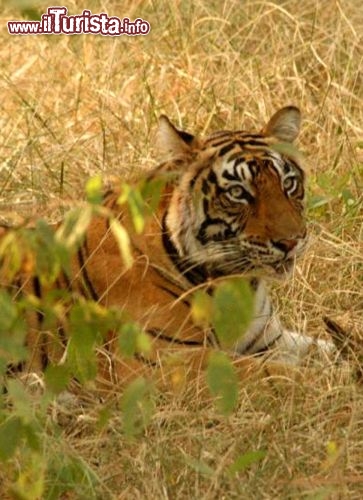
(75, 106)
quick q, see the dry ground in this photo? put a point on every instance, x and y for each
(80, 105)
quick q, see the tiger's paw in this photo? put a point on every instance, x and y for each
(295, 348)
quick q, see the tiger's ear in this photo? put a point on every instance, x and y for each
(284, 124)
(172, 142)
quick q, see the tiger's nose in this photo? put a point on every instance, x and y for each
(285, 245)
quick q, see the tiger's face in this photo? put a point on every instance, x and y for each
(238, 202)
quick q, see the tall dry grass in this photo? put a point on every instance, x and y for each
(75, 106)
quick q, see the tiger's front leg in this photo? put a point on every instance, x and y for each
(286, 346)
(294, 348)
(266, 335)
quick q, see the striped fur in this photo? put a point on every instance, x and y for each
(233, 204)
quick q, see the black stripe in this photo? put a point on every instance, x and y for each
(67, 281)
(217, 139)
(247, 196)
(106, 194)
(85, 245)
(267, 347)
(254, 282)
(174, 294)
(205, 187)
(37, 288)
(251, 142)
(109, 200)
(146, 361)
(206, 206)
(196, 274)
(254, 168)
(235, 155)
(230, 177)
(220, 133)
(62, 335)
(226, 149)
(212, 178)
(44, 355)
(107, 221)
(14, 368)
(224, 231)
(254, 136)
(38, 293)
(40, 316)
(194, 179)
(238, 161)
(86, 277)
(173, 340)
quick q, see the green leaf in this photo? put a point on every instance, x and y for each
(332, 449)
(233, 304)
(57, 378)
(70, 473)
(127, 339)
(202, 308)
(32, 436)
(143, 343)
(136, 206)
(151, 191)
(11, 255)
(94, 190)
(30, 483)
(132, 339)
(4, 364)
(348, 197)
(123, 241)
(74, 226)
(48, 265)
(22, 404)
(222, 381)
(244, 461)
(12, 330)
(86, 328)
(317, 201)
(199, 466)
(11, 434)
(142, 200)
(287, 148)
(137, 406)
(81, 363)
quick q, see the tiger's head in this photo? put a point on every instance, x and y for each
(237, 201)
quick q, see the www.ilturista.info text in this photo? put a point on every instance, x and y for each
(56, 21)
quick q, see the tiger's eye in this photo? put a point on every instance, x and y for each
(289, 183)
(236, 191)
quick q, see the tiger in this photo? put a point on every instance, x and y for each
(232, 204)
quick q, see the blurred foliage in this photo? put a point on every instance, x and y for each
(46, 252)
